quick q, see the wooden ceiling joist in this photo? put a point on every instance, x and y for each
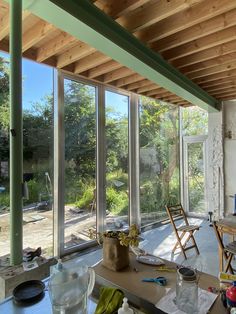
(79, 51)
(116, 74)
(224, 86)
(203, 29)
(54, 46)
(203, 43)
(119, 8)
(206, 54)
(216, 77)
(94, 59)
(128, 80)
(225, 59)
(147, 88)
(197, 37)
(213, 70)
(178, 22)
(84, 21)
(35, 34)
(151, 14)
(218, 82)
(103, 68)
(136, 85)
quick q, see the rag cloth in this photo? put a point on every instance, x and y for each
(110, 300)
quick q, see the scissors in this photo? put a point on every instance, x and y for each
(161, 281)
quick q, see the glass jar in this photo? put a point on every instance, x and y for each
(187, 290)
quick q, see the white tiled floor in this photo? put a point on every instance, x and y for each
(160, 241)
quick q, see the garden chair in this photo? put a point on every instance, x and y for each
(177, 212)
(228, 251)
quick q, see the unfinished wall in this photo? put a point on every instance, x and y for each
(215, 181)
(229, 118)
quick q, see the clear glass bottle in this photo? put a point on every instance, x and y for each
(187, 290)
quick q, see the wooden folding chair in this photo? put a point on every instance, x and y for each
(177, 212)
(227, 251)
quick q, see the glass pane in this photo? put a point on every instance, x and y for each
(194, 121)
(116, 110)
(4, 155)
(196, 180)
(38, 156)
(159, 158)
(80, 147)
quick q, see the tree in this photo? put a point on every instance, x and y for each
(4, 109)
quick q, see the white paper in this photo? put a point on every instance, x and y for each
(205, 301)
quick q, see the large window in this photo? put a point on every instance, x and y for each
(4, 155)
(37, 156)
(80, 147)
(116, 131)
(159, 158)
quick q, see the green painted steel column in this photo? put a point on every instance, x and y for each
(16, 143)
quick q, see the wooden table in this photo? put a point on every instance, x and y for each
(226, 225)
(145, 295)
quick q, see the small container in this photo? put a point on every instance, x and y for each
(187, 290)
(231, 295)
(125, 309)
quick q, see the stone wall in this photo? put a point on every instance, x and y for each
(229, 120)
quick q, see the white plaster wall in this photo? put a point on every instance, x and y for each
(215, 178)
(229, 114)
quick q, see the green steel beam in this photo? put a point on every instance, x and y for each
(86, 22)
(16, 144)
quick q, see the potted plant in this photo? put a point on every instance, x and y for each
(116, 246)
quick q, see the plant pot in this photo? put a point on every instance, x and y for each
(115, 255)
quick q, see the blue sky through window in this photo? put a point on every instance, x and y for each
(37, 80)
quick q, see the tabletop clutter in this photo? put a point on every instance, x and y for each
(69, 287)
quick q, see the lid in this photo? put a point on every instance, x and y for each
(29, 291)
(231, 292)
(187, 274)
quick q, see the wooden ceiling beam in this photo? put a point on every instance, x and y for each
(80, 51)
(157, 91)
(37, 32)
(215, 77)
(226, 94)
(205, 28)
(218, 82)
(93, 60)
(213, 70)
(134, 86)
(153, 13)
(231, 84)
(148, 87)
(180, 21)
(225, 59)
(228, 90)
(200, 44)
(5, 23)
(227, 98)
(103, 68)
(117, 74)
(54, 46)
(118, 8)
(128, 80)
(206, 54)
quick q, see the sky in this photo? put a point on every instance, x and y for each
(38, 82)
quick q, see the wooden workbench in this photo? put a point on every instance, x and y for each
(146, 295)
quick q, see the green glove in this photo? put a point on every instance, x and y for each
(110, 300)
